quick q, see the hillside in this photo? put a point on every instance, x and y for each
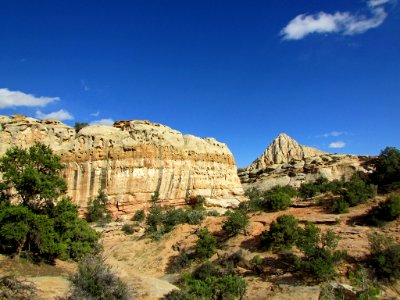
(286, 162)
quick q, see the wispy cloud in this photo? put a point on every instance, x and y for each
(60, 115)
(337, 145)
(332, 133)
(85, 86)
(10, 99)
(344, 23)
(95, 114)
(108, 122)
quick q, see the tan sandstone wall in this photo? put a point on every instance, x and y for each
(131, 160)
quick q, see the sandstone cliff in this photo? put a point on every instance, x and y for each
(131, 160)
(286, 162)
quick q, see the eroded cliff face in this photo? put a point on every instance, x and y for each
(131, 160)
(286, 162)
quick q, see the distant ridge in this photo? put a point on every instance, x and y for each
(283, 149)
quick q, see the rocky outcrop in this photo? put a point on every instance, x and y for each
(131, 160)
(283, 150)
(285, 162)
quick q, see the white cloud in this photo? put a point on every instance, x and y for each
(332, 133)
(373, 3)
(336, 145)
(85, 86)
(107, 122)
(95, 114)
(340, 22)
(60, 115)
(15, 98)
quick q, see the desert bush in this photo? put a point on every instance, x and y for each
(139, 216)
(179, 262)
(160, 221)
(255, 200)
(276, 200)
(95, 280)
(196, 202)
(319, 252)
(282, 234)
(385, 257)
(236, 221)
(16, 289)
(78, 126)
(366, 289)
(213, 213)
(386, 211)
(97, 210)
(357, 190)
(155, 197)
(339, 206)
(387, 173)
(308, 190)
(128, 228)
(206, 245)
(256, 264)
(207, 282)
(194, 217)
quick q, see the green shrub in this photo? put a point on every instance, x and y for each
(78, 126)
(213, 213)
(357, 191)
(282, 234)
(387, 173)
(210, 287)
(340, 206)
(206, 245)
(155, 218)
(308, 190)
(128, 228)
(235, 222)
(255, 201)
(366, 289)
(276, 200)
(97, 210)
(155, 197)
(160, 221)
(194, 217)
(139, 216)
(196, 202)
(385, 257)
(179, 262)
(386, 211)
(256, 264)
(319, 252)
(95, 280)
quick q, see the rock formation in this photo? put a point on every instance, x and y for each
(131, 160)
(283, 150)
(286, 162)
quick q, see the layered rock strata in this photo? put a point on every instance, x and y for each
(286, 162)
(130, 161)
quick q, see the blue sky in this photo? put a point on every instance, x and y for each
(325, 72)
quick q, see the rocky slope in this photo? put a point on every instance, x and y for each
(131, 160)
(286, 162)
